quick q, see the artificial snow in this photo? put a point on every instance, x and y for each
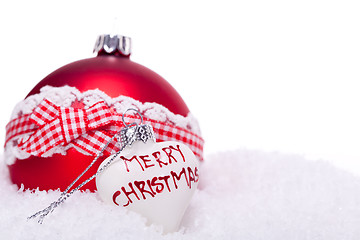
(243, 194)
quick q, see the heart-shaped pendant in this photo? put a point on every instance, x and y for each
(156, 180)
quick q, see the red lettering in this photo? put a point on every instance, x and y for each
(141, 186)
(166, 178)
(169, 154)
(130, 160)
(196, 174)
(178, 177)
(178, 149)
(159, 185)
(157, 158)
(115, 195)
(146, 161)
(128, 194)
(191, 176)
(150, 186)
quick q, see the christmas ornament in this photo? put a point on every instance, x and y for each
(69, 97)
(156, 180)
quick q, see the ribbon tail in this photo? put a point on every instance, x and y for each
(93, 141)
(43, 139)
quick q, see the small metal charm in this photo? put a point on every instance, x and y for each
(134, 132)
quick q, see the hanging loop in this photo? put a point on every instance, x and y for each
(133, 123)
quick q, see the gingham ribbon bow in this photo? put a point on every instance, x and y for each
(61, 125)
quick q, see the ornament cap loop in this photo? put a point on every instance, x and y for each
(113, 44)
(134, 131)
(132, 109)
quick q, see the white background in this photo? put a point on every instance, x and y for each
(269, 75)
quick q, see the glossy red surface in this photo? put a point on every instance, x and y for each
(53, 172)
(114, 75)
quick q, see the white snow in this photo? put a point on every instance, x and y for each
(243, 194)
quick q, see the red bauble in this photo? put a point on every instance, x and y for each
(114, 74)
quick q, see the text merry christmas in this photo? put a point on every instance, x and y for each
(149, 188)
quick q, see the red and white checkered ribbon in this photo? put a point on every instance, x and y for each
(60, 125)
(88, 129)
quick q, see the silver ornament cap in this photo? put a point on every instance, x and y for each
(131, 134)
(112, 44)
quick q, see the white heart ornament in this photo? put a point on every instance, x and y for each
(156, 180)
